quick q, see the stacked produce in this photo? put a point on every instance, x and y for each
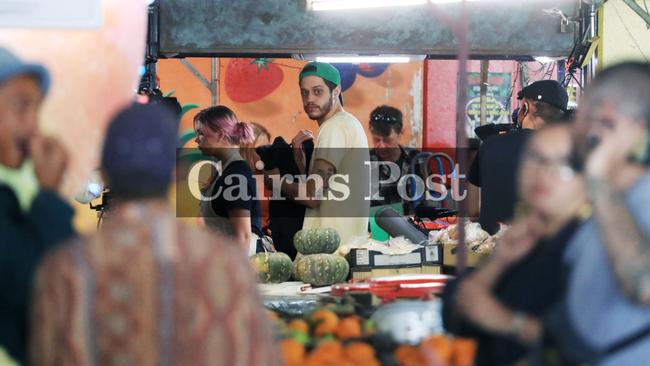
(326, 339)
(317, 265)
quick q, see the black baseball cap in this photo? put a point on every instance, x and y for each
(547, 91)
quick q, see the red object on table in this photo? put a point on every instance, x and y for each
(407, 286)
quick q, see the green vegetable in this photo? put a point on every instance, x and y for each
(272, 267)
(316, 241)
(321, 269)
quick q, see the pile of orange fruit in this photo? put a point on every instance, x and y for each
(325, 339)
(327, 331)
(438, 350)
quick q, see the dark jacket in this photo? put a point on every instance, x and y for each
(532, 285)
(495, 170)
(24, 239)
(285, 216)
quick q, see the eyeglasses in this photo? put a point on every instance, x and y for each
(558, 167)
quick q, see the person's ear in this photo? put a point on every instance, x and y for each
(524, 109)
(336, 92)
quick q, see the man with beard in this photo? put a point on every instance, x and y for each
(339, 178)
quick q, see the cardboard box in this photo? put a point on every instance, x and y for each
(429, 255)
(363, 273)
(450, 257)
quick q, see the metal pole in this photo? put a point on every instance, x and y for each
(485, 66)
(590, 20)
(213, 82)
(462, 31)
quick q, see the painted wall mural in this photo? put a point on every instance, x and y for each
(94, 73)
(266, 91)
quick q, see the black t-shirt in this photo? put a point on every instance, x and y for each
(230, 185)
(495, 170)
(532, 286)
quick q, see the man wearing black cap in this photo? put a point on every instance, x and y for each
(340, 154)
(495, 167)
(25, 235)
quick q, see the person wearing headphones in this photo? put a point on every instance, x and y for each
(494, 169)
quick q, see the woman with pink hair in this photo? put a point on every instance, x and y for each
(231, 206)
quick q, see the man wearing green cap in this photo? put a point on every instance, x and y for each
(339, 158)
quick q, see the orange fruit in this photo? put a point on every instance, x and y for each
(439, 345)
(359, 352)
(464, 351)
(326, 322)
(292, 351)
(299, 325)
(349, 327)
(408, 355)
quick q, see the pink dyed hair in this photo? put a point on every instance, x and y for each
(222, 119)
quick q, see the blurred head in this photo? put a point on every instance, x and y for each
(386, 130)
(218, 127)
(22, 90)
(546, 180)
(139, 152)
(320, 89)
(619, 94)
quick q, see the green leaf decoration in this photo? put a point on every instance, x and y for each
(185, 137)
(261, 63)
(188, 107)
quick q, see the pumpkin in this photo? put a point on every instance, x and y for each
(321, 269)
(316, 241)
(272, 267)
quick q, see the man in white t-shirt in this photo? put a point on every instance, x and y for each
(337, 191)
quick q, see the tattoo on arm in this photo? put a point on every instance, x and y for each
(628, 247)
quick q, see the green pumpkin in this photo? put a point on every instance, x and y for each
(272, 267)
(317, 241)
(321, 269)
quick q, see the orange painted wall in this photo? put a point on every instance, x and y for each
(281, 111)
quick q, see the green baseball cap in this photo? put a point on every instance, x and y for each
(323, 70)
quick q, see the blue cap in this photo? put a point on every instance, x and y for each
(12, 66)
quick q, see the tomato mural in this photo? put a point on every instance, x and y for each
(248, 80)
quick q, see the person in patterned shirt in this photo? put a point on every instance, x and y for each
(146, 289)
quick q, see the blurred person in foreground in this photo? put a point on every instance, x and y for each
(26, 235)
(147, 289)
(605, 319)
(501, 303)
